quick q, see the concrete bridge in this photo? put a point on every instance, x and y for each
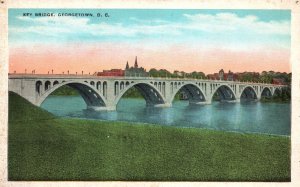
(104, 93)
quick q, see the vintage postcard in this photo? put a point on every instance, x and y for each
(155, 92)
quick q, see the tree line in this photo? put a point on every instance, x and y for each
(263, 77)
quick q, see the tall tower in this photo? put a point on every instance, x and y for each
(135, 63)
(127, 65)
(221, 74)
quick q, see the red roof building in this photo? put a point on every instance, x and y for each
(112, 73)
(230, 76)
(278, 81)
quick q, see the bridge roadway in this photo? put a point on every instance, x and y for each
(104, 93)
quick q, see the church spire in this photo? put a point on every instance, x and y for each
(135, 63)
(127, 65)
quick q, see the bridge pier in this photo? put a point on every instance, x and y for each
(102, 108)
(200, 103)
(164, 105)
(258, 98)
(237, 100)
(231, 101)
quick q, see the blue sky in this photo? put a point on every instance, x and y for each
(215, 26)
(174, 39)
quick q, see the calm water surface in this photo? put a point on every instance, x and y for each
(256, 117)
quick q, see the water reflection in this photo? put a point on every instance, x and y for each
(258, 117)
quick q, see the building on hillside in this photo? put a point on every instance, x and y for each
(278, 81)
(221, 74)
(214, 76)
(135, 71)
(179, 73)
(230, 76)
(112, 72)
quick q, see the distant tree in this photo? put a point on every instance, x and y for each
(164, 73)
(153, 72)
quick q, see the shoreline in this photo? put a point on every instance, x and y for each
(162, 125)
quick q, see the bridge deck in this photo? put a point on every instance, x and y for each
(74, 76)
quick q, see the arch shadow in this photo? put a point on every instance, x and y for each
(194, 93)
(266, 92)
(89, 94)
(224, 92)
(248, 93)
(277, 92)
(149, 92)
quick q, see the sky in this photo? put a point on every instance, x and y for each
(173, 39)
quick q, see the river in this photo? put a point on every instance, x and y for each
(252, 117)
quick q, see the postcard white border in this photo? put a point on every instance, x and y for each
(293, 5)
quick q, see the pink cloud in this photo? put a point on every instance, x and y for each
(97, 57)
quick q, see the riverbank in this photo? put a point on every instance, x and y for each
(44, 147)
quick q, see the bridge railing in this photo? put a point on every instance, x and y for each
(80, 76)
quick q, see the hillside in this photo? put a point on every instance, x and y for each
(43, 147)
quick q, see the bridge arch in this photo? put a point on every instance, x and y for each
(150, 93)
(225, 92)
(266, 92)
(104, 89)
(38, 87)
(277, 91)
(194, 92)
(122, 85)
(89, 94)
(47, 85)
(248, 92)
(116, 90)
(98, 86)
(55, 82)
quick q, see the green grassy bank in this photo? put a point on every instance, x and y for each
(43, 147)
